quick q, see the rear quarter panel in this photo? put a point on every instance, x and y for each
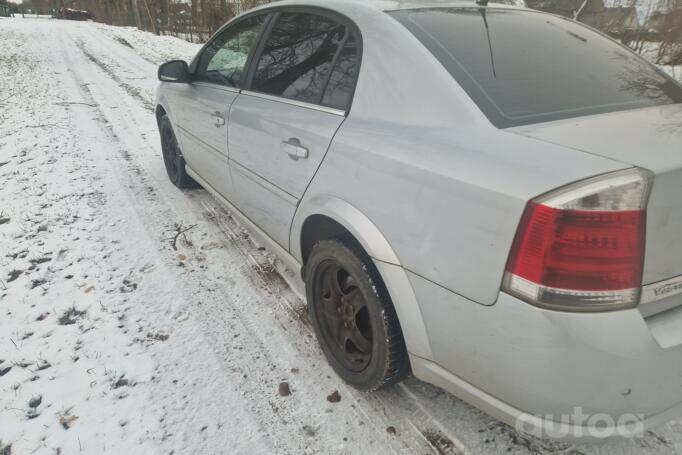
(447, 199)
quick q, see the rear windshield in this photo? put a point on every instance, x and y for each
(523, 67)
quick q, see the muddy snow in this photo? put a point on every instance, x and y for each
(120, 334)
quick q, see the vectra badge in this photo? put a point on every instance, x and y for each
(661, 290)
(668, 288)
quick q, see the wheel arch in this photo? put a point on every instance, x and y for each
(163, 106)
(160, 111)
(324, 217)
(329, 208)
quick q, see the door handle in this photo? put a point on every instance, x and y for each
(218, 120)
(294, 149)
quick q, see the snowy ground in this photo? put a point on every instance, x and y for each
(112, 341)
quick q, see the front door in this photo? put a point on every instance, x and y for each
(207, 100)
(280, 129)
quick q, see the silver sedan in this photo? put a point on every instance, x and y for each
(485, 196)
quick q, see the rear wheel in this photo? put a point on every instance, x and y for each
(172, 156)
(353, 317)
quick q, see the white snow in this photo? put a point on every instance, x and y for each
(673, 70)
(111, 341)
(650, 52)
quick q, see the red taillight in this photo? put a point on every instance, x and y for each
(582, 247)
(582, 250)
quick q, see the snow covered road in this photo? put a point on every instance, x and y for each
(112, 340)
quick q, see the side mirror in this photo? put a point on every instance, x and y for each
(174, 71)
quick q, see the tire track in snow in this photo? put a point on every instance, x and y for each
(250, 326)
(295, 306)
(135, 180)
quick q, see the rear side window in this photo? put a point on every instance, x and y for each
(299, 60)
(339, 91)
(523, 67)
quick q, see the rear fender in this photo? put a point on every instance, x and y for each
(384, 258)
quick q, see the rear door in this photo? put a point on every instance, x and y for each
(206, 102)
(300, 89)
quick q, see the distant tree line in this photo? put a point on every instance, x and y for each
(194, 21)
(655, 32)
(652, 28)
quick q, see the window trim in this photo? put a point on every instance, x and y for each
(281, 99)
(275, 12)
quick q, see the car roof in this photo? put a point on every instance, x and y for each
(392, 5)
(385, 5)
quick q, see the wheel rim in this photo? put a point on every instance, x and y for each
(343, 316)
(171, 152)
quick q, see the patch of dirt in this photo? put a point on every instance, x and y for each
(38, 261)
(37, 282)
(43, 365)
(269, 274)
(13, 275)
(70, 316)
(334, 397)
(157, 336)
(19, 254)
(303, 313)
(121, 382)
(284, 389)
(35, 401)
(67, 421)
(124, 42)
(128, 286)
(441, 443)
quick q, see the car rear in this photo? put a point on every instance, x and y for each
(589, 317)
(648, 139)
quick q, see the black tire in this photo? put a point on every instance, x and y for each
(172, 156)
(353, 316)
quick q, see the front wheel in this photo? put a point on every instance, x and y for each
(353, 316)
(172, 156)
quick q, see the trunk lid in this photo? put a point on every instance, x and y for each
(648, 138)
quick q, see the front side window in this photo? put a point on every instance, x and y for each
(298, 56)
(523, 67)
(224, 59)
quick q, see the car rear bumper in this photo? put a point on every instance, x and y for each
(552, 374)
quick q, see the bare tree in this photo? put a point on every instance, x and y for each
(670, 29)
